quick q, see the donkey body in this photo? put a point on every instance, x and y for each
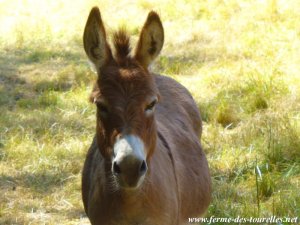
(145, 165)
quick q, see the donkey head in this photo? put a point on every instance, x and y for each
(125, 95)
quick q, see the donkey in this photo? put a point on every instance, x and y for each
(145, 165)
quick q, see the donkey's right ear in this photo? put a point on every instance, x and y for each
(94, 39)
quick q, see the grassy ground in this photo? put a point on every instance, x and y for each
(240, 60)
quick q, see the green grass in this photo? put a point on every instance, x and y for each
(239, 59)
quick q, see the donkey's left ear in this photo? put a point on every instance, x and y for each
(151, 40)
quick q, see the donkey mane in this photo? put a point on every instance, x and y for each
(121, 42)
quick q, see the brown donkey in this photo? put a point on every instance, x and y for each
(145, 165)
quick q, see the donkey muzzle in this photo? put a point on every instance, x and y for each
(129, 163)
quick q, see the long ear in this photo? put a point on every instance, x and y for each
(151, 40)
(94, 39)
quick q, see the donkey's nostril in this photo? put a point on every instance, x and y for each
(143, 167)
(116, 168)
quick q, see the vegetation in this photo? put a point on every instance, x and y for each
(239, 59)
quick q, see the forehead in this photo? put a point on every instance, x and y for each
(119, 84)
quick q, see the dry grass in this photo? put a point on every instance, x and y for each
(240, 60)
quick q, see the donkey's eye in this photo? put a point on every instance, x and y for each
(102, 108)
(150, 107)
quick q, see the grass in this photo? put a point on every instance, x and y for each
(239, 59)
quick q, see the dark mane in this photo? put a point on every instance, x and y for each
(121, 42)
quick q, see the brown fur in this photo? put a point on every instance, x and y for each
(177, 184)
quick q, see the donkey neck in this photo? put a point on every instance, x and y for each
(126, 206)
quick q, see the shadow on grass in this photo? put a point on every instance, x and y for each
(15, 81)
(9, 81)
(39, 182)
